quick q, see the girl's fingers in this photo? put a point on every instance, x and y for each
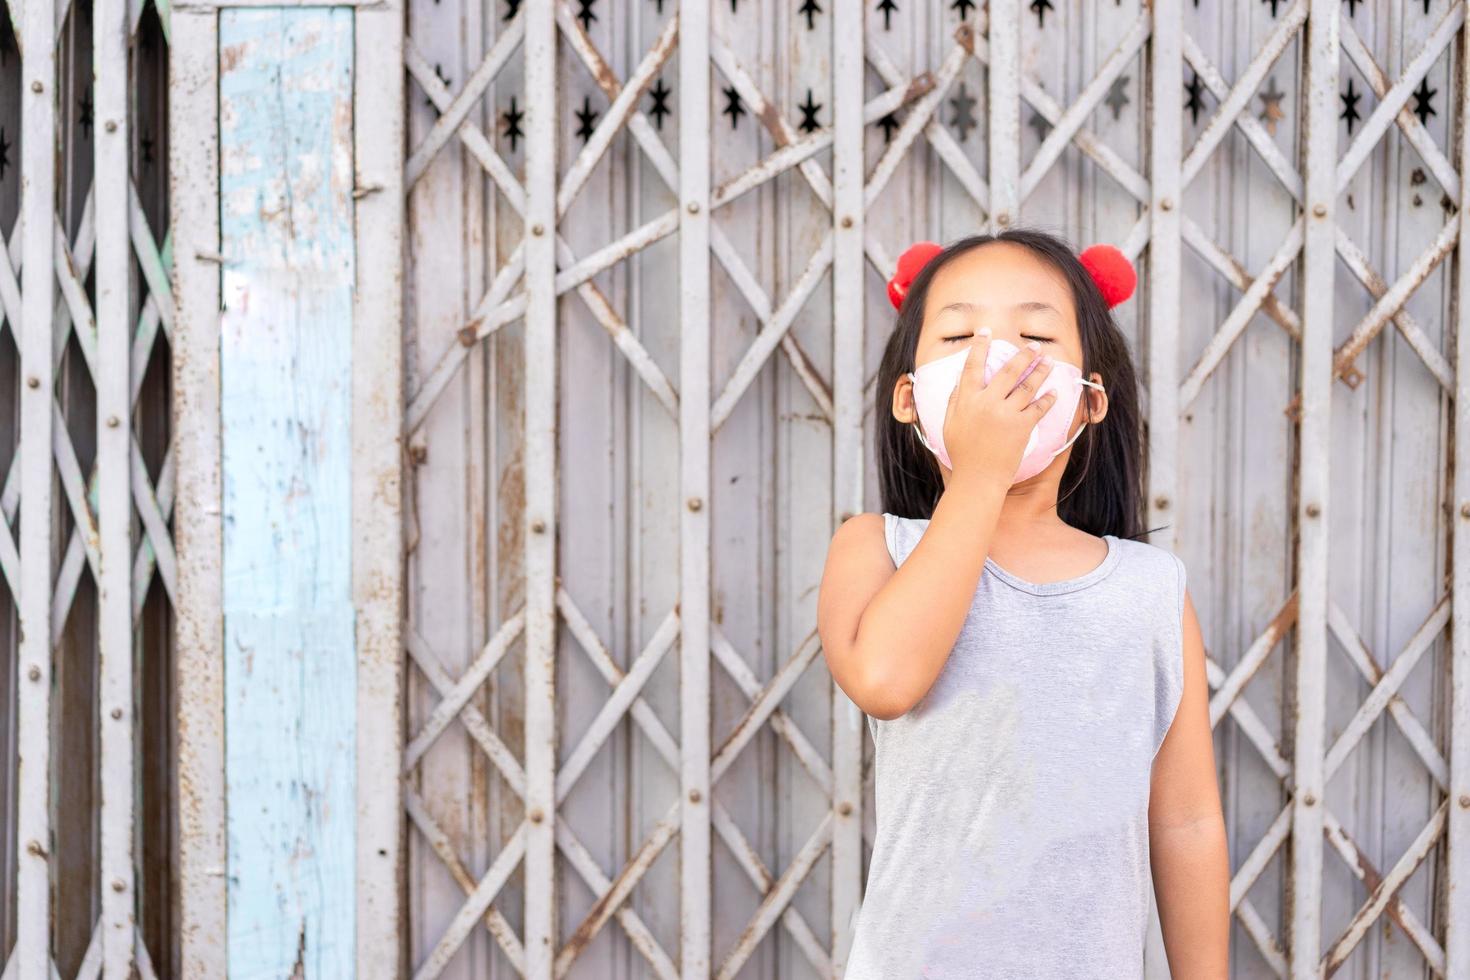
(973, 374)
(1011, 370)
(1030, 383)
(1043, 404)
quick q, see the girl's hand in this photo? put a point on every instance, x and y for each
(987, 426)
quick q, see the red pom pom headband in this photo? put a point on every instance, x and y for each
(1109, 268)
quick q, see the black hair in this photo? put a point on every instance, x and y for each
(1102, 487)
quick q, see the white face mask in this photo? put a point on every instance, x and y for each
(935, 381)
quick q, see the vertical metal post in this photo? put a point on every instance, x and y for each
(194, 225)
(114, 498)
(1005, 113)
(541, 499)
(694, 467)
(1320, 145)
(1165, 117)
(377, 488)
(1457, 918)
(848, 321)
(38, 291)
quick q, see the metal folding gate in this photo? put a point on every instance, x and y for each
(634, 233)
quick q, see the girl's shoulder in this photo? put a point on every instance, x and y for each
(1155, 561)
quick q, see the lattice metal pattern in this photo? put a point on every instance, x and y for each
(694, 188)
(86, 559)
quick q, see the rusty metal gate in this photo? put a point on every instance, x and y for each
(647, 245)
(643, 247)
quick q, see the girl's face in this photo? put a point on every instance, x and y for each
(1020, 297)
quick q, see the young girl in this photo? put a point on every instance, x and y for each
(1033, 672)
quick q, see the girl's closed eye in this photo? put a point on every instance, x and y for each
(1024, 336)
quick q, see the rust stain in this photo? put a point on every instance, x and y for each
(229, 57)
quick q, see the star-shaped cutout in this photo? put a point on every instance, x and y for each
(809, 9)
(586, 119)
(660, 94)
(809, 110)
(1271, 111)
(1117, 98)
(585, 14)
(1039, 8)
(963, 119)
(511, 119)
(1424, 101)
(734, 108)
(887, 8)
(1350, 100)
(888, 124)
(1196, 101)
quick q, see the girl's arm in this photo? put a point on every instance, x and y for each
(887, 632)
(1191, 863)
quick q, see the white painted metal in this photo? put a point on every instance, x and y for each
(115, 637)
(1457, 865)
(194, 225)
(849, 317)
(540, 516)
(695, 426)
(1315, 385)
(35, 340)
(377, 492)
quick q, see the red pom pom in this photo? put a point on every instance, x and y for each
(1112, 272)
(910, 264)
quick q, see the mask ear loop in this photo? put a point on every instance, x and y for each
(1091, 384)
(915, 424)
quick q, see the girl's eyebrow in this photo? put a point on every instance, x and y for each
(1033, 306)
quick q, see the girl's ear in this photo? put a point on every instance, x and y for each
(903, 400)
(1094, 401)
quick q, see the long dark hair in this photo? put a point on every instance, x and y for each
(1102, 487)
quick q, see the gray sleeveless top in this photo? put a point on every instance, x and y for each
(1012, 800)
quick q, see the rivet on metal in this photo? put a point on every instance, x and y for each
(693, 207)
(119, 885)
(1003, 219)
(113, 421)
(847, 221)
(1308, 799)
(1465, 511)
(36, 86)
(34, 673)
(538, 229)
(1320, 210)
(1313, 510)
(111, 125)
(1162, 503)
(536, 815)
(34, 847)
(695, 503)
(1465, 800)
(844, 808)
(116, 714)
(1167, 204)
(694, 796)
(538, 526)
(33, 382)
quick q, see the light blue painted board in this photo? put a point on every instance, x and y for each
(285, 373)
